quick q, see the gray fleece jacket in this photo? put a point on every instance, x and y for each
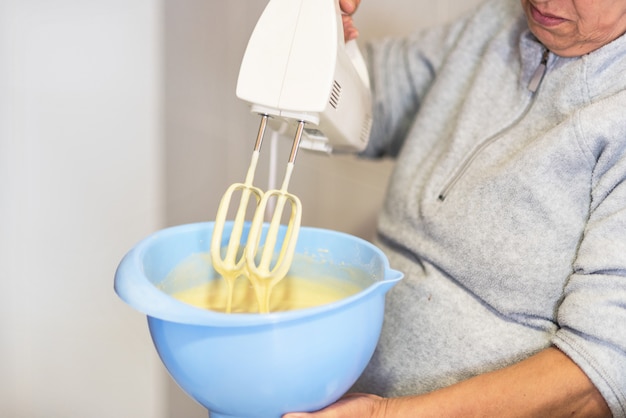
(507, 207)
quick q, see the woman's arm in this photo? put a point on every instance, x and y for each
(547, 384)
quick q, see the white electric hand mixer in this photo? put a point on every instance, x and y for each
(299, 74)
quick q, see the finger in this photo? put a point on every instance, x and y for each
(349, 6)
(350, 32)
(350, 405)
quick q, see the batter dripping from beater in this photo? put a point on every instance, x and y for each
(243, 262)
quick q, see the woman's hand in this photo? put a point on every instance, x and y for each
(353, 405)
(348, 7)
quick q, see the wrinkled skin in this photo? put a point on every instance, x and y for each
(575, 27)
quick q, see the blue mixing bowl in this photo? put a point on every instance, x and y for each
(259, 365)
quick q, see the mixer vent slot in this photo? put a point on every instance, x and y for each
(366, 128)
(335, 94)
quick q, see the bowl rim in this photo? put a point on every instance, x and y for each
(134, 288)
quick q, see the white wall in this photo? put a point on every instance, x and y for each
(80, 183)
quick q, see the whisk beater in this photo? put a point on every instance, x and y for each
(232, 264)
(266, 270)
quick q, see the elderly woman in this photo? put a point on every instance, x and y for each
(507, 213)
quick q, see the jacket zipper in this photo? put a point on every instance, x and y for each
(533, 86)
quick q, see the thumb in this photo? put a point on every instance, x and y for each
(348, 6)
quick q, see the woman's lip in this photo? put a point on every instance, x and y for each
(545, 19)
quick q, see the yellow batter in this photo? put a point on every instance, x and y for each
(188, 283)
(290, 293)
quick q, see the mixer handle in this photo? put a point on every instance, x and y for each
(354, 52)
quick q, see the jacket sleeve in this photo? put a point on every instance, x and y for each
(401, 72)
(592, 315)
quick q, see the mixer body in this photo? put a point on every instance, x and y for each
(297, 67)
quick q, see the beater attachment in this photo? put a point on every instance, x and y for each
(267, 269)
(232, 264)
